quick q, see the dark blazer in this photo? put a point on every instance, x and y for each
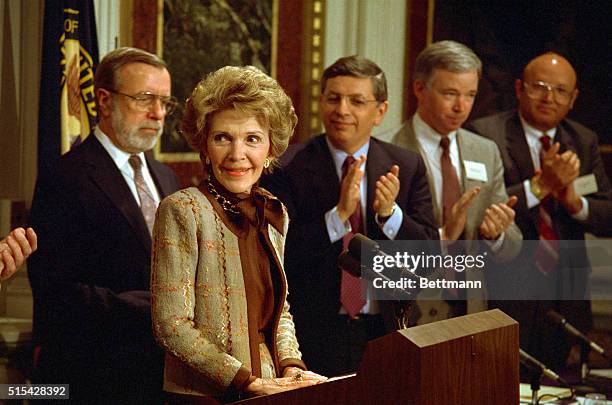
(506, 131)
(90, 278)
(308, 185)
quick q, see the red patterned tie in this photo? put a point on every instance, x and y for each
(547, 252)
(351, 296)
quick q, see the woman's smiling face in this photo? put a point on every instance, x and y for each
(237, 146)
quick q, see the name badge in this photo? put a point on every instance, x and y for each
(586, 184)
(475, 170)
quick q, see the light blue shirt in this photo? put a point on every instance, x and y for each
(336, 229)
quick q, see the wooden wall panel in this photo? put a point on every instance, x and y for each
(419, 20)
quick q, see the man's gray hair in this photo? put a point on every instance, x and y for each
(446, 55)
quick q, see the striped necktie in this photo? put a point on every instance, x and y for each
(547, 252)
(148, 206)
(351, 296)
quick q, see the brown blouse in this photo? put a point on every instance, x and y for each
(248, 220)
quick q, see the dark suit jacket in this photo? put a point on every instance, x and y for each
(506, 131)
(308, 185)
(90, 277)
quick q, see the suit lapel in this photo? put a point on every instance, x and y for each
(470, 152)
(377, 164)
(320, 173)
(109, 179)
(565, 140)
(407, 139)
(518, 147)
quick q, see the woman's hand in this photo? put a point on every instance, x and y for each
(267, 386)
(293, 377)
(299, 374)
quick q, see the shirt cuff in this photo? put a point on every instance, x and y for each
(583, 214)
(336, 229)
(532, 200)
(495, 245)
(392, 225)
(443, 243)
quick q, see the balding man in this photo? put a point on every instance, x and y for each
(544, 154)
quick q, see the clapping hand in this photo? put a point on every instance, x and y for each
(15, 249)
(387, 188)
(497, 219)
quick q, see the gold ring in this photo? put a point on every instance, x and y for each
(297, 377)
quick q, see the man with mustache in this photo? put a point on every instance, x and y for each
(553, 165)
(339, 183)
(465, 172)
(94, 213)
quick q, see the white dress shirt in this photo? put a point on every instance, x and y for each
(535, 149)
(120, 158)
(431, 151)
(428, 140)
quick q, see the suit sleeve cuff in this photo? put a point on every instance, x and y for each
(242, 378)
(495, 245)
(291, 363)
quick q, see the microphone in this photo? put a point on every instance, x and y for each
(351, 262)
(534, 363)
(359, 243)
(560, 320)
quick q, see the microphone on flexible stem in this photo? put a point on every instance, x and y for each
(560, 320)
(351, 262)
(354, 267)
(532, 363)
(360, 242)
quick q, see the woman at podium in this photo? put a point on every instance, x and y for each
(218, 287)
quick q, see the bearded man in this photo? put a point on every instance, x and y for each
(93, 214)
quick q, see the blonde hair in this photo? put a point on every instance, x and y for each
(247, 90)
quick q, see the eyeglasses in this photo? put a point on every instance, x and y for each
(355, 102)
(540, 89)
(145, 101)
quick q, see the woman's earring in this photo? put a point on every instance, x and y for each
(207, 160)
(267, 163)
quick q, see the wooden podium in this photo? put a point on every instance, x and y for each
(473, 359)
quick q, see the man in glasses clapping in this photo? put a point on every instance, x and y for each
(552, 164)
